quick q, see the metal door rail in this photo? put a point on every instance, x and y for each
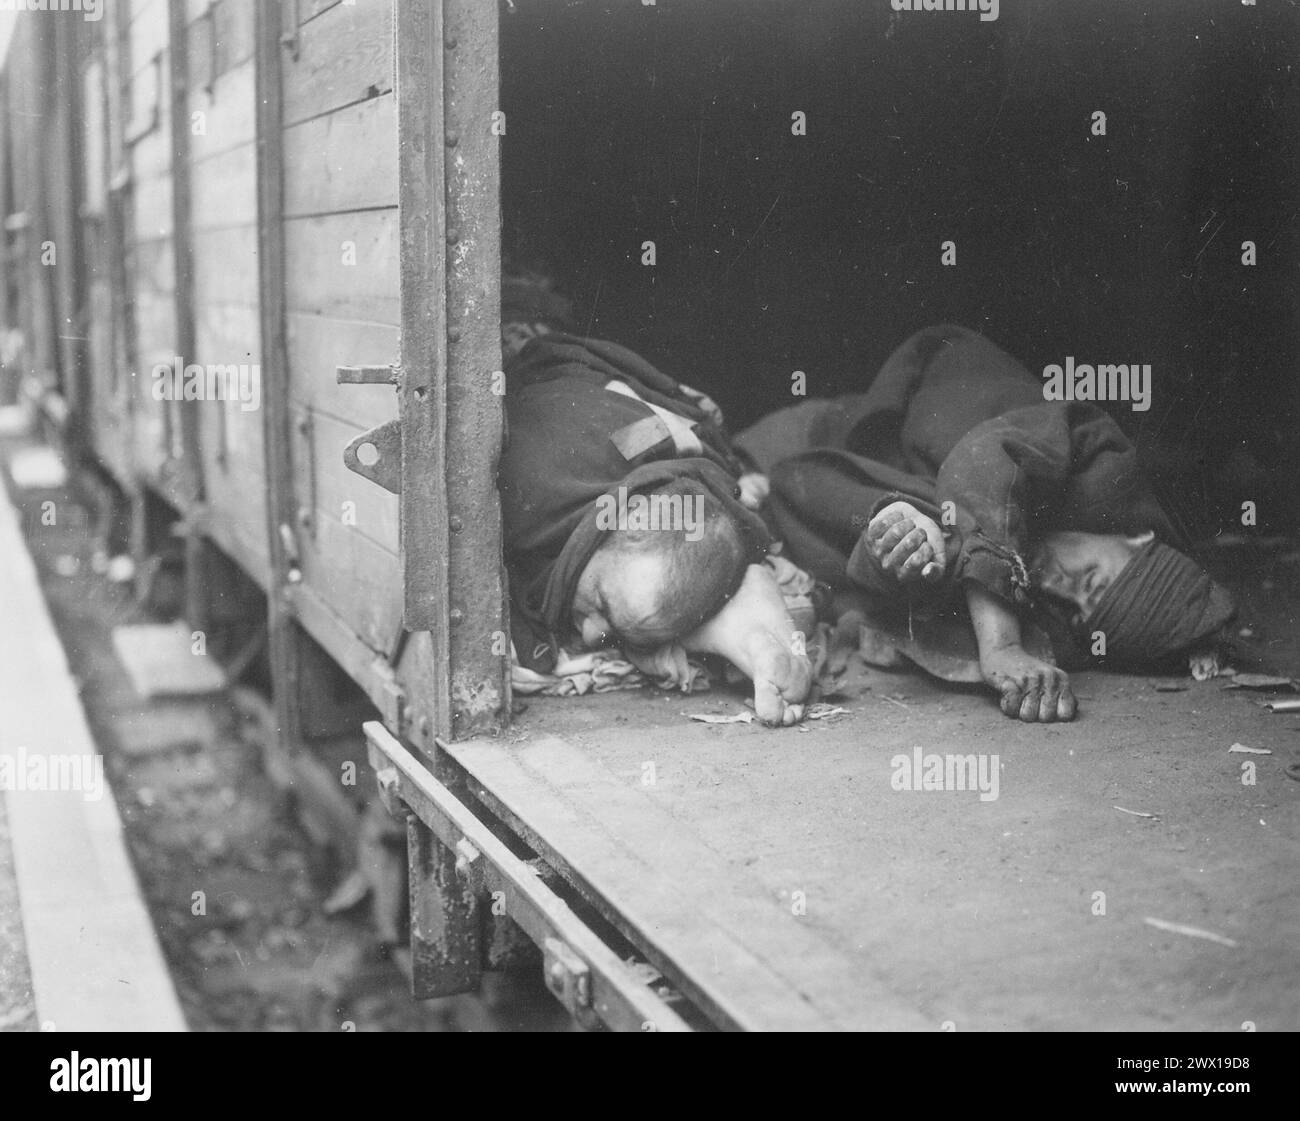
(584, 974)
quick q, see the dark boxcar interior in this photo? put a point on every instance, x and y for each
(821, 252)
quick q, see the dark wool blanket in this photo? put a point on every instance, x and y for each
(584, 418)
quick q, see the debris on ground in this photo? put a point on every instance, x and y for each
(1283, 706)
(352, 892)
(1259, 681)
(1136, 813)
(818, 711)
(1190, 931)
(1242, 748)
(722, 718)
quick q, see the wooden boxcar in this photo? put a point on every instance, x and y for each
(310, 192)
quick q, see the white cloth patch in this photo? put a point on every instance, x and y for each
(682, 431)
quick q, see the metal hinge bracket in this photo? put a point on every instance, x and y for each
(382, 462)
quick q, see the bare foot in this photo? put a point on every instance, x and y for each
(754, 632)
(1203, 664)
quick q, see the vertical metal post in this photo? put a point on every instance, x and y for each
(478, 652)
(422, 391)
(446, 953)
(277, 419)
(182, 241)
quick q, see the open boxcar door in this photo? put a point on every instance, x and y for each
(471, 892)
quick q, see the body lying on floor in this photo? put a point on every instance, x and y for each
(952, 516)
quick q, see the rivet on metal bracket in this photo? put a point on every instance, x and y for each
(569, 979)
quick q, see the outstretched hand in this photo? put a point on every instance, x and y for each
(1031, 690)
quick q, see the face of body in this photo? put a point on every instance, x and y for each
(622, 598)
(1079, 567)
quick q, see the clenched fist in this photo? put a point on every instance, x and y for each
(907, 543)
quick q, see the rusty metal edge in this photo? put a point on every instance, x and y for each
(479, 666)
(423, 391)
(453, 771)
(620, 999)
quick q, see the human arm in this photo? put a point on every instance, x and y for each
(1030, 689)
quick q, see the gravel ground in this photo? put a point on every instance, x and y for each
(201, 816)
(17, 1004)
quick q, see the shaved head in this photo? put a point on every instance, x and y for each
(644, 588)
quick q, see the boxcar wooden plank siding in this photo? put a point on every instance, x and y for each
(148, 33)
(226, 333)
(310, 9)
(318, 344)
(153, 266)
(223, 190)
(228, 114)
(215, 49)
(346, 160)
(151, 208)
(374, 509)
(318, 281)
(151, 153)
(232, 526)
(234, 25)
(344, 55)
(155, 320)
(236, 506)
(225, 266)
(359, 581)
(149, 91)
